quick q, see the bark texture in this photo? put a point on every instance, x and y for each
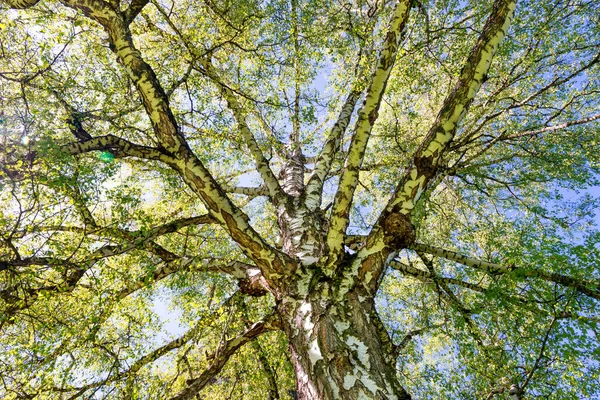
(339, 349)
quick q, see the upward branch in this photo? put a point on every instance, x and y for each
(262, 165)
(323, 164)
(366, 119)
(426, 161)
(177, 153)
(393, 230)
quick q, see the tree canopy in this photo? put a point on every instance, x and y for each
(304, 199)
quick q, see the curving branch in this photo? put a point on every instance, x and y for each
(516, 300)
(222, 355)
(16, 301)
(117, 146)
(445, 292)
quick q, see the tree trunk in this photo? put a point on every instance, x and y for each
(338, 345)
(339, 348)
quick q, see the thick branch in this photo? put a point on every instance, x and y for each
(134, 9)
(393, 230)
(250, 280)
(178, 155)
(367, 115)
(121, 146)
(426, 160)
(248, 191)
(20, 4)
(588, 288)
(323, 164)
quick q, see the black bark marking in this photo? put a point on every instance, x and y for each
(425, 166)
(254, 286)
(373, 116)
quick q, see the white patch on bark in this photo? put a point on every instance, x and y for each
(369, 384)
(306, 310)
(334, 388)
(314, 353)
(313, 201)
(253, 271)
(308, 260)
(368, 277)
(349, 381)
(348, 281)
(341, 327)
(390, 396)
(361, 349)
(303, 379)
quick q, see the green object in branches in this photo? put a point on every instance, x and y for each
(106, 156)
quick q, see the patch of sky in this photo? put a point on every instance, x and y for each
(169, 315)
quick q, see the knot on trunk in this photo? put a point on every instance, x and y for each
(398, 230)
(255, 285)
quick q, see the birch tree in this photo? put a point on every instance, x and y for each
(299, 199)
